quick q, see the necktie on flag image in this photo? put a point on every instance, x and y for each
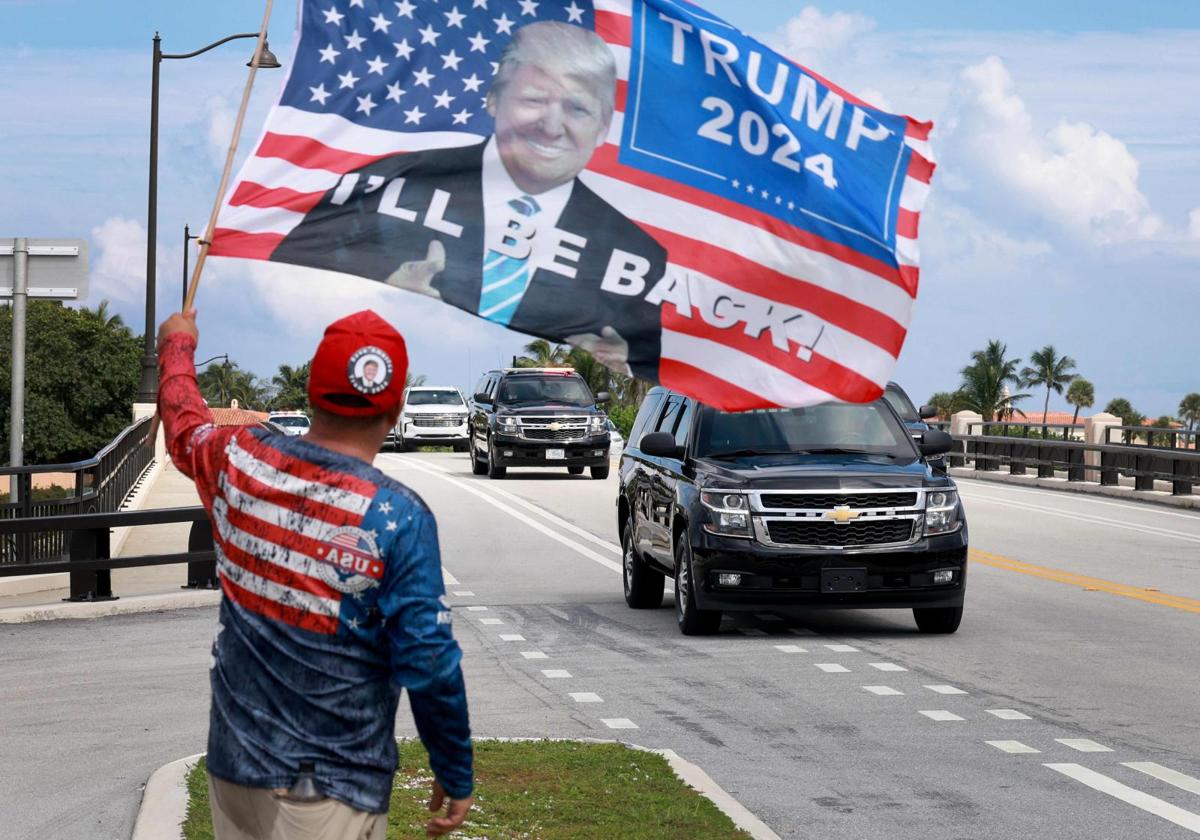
(634, 177)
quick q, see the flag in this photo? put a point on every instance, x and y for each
(741, 229)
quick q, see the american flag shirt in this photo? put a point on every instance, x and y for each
(333, 602)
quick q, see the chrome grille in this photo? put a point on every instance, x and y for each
(437, 420)
(554, 429)
(824, 501)
(798, 532)
(554, 434)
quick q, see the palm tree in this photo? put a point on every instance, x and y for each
(541, 353)
(1189, 410)
(596, 375)
(1081, 394)
(1049, 369)
(411, 380)
(946, 403)
(104, 316)
(1166, 421)
(291, 387)
(1130, 416)
(985, 382)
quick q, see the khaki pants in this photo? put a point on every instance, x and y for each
(245, 813)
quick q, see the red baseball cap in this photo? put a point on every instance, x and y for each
(359, 367)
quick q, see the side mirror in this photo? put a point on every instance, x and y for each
(660, 445)
(928, 412)
(602, 397)
(935, 442)
(481, 397)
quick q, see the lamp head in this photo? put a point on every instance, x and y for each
(267, 61)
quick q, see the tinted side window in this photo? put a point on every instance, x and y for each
(670, 414)
(481, 388)
(684, 424)
(645, 417)
(491, 385)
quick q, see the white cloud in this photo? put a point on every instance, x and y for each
(1075, 176)
(119, 260)
(220, 117)
(1194, 224)
(811, 37)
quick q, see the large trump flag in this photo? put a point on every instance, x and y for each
(634, 177)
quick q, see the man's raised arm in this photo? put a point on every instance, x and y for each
(184, 413)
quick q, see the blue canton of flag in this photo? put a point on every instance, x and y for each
(410, 66)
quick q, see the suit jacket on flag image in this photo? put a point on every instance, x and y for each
(634, 176)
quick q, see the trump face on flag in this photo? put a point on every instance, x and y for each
(504, 228)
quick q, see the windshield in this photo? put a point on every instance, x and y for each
(903, 405)
(445, 396)
(820, 429)
(565, 390)
(290, 421)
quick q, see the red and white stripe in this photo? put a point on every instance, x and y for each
(865, 303)
(271, 515)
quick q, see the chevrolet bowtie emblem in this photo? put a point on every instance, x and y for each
(554, 427)
(842, 514)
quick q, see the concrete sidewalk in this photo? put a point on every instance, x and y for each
(1161, 495)
(169, 488)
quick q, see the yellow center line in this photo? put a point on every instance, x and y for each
(1124, 590)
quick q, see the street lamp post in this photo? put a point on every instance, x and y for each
(188, 236)
(148, 390)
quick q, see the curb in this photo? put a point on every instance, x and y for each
(99, 609)
(1157, 498)
(164, 802)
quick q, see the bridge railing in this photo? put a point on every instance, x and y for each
(1055, 454)
(88, 559)
(98, 485)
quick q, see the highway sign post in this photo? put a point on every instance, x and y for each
(53, 269)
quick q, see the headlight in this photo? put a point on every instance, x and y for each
(941, 512)
(728, 513)
(596, 425)
(508, 424)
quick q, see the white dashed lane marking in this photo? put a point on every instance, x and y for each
(842, 648)
(491, 621)
(1014, 747)
(945, 689)
(941, 715)
(464, 593)
(476, 609)
(833, 668)
(511, 637)
(586, 697)
(888, 666)
(1165, 774)
(1083, 744)
(1131, 796)
(618, 723)
(882, 690)
(556, 674)
(1009, 714)
(534, 654)
(790, 648)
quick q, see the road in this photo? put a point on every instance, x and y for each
(1065, 707)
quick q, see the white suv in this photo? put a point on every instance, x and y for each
(433, 416)
(293, 422)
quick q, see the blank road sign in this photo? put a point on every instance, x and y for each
(58, 268)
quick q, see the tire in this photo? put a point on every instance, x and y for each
(400, 445)
(477, 467)
(462, 446)
(600, 473)
(644, 587)
(575, 470)
(692, 620)
(494, 471)
(938, 619)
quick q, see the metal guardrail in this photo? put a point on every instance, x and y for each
(1154, 436)
(99, 485)
(88, 559)
(1102, 463)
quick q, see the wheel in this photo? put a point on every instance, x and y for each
(575, 470)
(644, 587)
(494, 471)
(477, 467)
(938, 619)
(692, 620)
(600, 473)
(462, 446)
(400, 445)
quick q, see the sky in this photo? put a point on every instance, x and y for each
(1065, 209)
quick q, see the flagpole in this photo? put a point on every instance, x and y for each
(206, 242)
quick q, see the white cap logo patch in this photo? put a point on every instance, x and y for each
(369, 370)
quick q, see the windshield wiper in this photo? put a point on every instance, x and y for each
(835, 450)
(746, 453)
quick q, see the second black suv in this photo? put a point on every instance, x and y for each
(537, 417)
(833, 505)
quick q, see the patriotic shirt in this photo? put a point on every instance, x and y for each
(333, 602)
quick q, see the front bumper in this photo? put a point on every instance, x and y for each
(783, 577)
(512, 451)
(413, 433)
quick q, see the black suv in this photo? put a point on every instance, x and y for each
(833, 505)
(537, 417)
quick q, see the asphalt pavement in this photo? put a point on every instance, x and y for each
(1064, 707)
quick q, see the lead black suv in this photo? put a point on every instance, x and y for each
(833, 505)
(537, 417)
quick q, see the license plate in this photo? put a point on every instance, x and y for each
(843, 580)
(556, 454)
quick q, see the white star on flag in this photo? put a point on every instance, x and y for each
(348, 79)
(405, 8)
(403, 50)
(354, 41)
(414, 116)
(377, 65)
(354, 624)
(429, 35)
(329, 54)
(358, 3)
(451, 60)
(319, 94)
(462, 116)
(393, 525)
(394, 92)
(479, 4)
(333, 16)
(443, 99)
(365, 104)
(479, 43)
(384, 507)
(472, 83)
(503, 24)
(454, 17)
(422, 77)
(574, 13)
(529, 7)
(381, 23)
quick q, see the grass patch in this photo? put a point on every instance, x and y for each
(540, 790)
